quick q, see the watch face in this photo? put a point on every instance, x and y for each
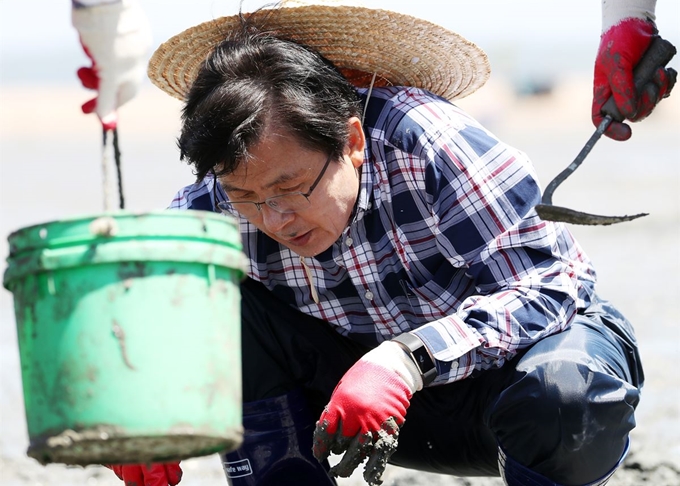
(424, 362)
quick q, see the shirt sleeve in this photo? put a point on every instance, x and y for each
(198, 196)
(530, 276)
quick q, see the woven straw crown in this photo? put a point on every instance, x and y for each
(399, 49)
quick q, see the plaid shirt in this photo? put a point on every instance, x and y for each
(443, 242)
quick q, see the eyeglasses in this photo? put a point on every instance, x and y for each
(290, 202)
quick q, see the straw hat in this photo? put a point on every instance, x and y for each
(399, 49)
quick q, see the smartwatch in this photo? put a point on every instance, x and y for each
(419, 354)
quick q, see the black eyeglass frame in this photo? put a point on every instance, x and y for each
(259, 205)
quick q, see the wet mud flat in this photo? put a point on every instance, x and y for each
(639, 468)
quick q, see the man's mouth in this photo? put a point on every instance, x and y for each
(300, 239)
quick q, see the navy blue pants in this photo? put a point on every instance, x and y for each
(562, 408)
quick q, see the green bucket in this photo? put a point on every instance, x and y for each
(129, 336)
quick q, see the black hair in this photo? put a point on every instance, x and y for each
(254, 80)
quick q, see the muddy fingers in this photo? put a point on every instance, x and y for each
(378, 447)
(356, 449)
(383, 448)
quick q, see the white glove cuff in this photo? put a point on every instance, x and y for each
(614, 11)
(100, 25)
(391, 355)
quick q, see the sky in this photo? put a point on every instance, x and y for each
(523, 36)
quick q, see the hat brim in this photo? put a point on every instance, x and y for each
(400, 49)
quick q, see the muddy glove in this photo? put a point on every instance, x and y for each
(116, 36)
(366, 410)
(628, 28)
(148, 474)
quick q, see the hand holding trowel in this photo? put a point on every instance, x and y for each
(657, 55)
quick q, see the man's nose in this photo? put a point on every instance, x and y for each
(273, 220)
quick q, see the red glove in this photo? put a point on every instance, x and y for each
(621, 48)
(366, 410)
(165, 474)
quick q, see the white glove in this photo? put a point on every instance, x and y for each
(117, 37)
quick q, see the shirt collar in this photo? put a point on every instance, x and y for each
(364, 203)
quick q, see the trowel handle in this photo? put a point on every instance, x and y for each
(658, 54)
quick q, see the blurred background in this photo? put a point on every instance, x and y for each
(538, 99)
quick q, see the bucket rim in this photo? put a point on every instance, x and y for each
(125, 236)
(125, 213)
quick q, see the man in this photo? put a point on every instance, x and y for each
(404, 301)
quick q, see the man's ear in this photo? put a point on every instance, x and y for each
(356, 142)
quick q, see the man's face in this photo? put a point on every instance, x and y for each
(279, 164)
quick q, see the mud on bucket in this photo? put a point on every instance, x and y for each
(129, 336)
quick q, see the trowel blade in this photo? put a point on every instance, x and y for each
(548, 212)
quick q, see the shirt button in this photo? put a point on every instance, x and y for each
(454, 365)
(369, 295)
(349, 241)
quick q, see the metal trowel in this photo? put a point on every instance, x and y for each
(658, 54)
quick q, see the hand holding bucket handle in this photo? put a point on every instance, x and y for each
(116, 36)
(159, 474)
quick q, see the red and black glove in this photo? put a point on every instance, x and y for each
(622, 45)
(164, 474)
(366, 410)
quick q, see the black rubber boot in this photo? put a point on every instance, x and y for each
(277, 446)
